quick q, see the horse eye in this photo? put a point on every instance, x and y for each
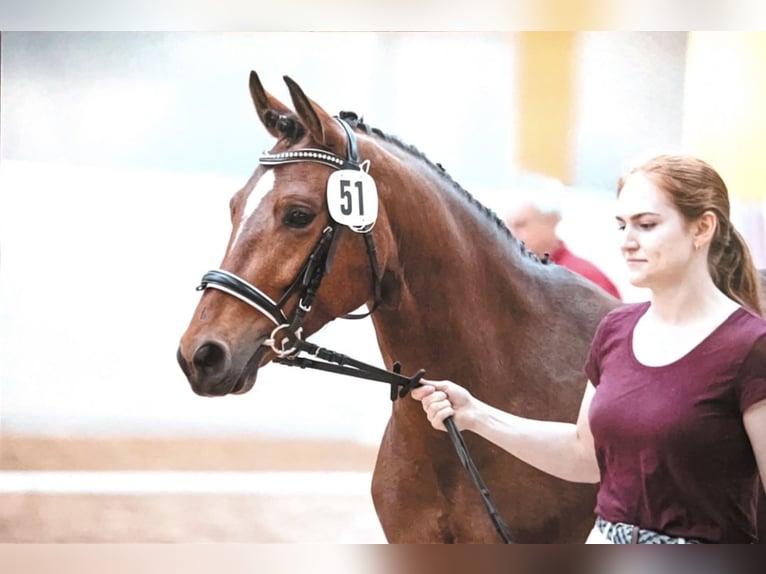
(298, 218)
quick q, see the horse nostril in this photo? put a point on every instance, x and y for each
(209, 358)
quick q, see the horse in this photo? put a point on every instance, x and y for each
(449, 290)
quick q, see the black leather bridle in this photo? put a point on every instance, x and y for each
(286, 339)
(287, 332)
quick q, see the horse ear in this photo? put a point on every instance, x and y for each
(322, 127)
(269, 108)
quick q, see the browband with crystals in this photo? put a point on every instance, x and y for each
(319, 155)
(307, 154)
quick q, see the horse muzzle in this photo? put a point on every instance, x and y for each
(213, 371)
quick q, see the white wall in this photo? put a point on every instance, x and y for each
(629, 101)
(180, 102)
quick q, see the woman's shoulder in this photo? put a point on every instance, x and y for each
(741, 338)
(747, 338)
(746, 324)
(621, 319)
(626, 312)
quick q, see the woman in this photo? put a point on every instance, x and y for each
(673, 419)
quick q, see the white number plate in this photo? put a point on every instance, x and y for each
(352, 198)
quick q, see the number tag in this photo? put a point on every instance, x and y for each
(352, 199)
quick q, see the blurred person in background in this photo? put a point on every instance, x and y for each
(672, 422)
(533, 219)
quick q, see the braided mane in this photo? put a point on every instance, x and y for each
(358, 123)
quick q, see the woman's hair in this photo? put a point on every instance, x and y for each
(695, 187)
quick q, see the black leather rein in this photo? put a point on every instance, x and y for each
(286, 338)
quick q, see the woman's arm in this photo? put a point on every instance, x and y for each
(564, 450)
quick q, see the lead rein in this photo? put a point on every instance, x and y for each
(344, 365)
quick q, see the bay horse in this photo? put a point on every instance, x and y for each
(449, 290)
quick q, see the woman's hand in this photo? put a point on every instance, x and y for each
(562, 449)
(442, 399)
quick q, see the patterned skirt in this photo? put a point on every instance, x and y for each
(621, 533)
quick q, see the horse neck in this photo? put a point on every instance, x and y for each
(455, 268)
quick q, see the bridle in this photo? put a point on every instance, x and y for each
(286, 339)
(287, 332)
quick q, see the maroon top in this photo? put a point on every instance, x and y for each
(671, 446)
(562, 256)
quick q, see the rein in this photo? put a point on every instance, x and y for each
(286, 338)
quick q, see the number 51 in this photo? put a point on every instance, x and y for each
(345, 194)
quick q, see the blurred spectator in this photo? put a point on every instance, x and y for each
(533, 219)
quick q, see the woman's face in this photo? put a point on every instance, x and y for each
(657, 241)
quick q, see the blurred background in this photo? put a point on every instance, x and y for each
(119, 153)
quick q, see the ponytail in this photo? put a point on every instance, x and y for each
(732, 269)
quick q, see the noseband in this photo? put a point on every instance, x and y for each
(287, 332)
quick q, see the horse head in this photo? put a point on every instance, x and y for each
(290, 266)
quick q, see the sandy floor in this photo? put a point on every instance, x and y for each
(177, 517)
(184, 518)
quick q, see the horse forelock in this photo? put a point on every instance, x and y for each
(491, 217)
